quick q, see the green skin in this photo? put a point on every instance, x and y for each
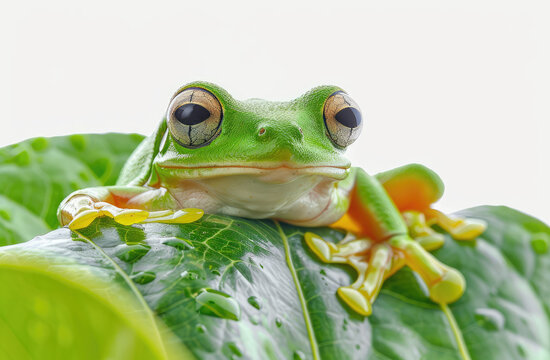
(279, 155)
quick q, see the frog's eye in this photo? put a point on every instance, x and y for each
(194, 117)
(342, 119)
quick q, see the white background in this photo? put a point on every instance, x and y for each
(461, 86)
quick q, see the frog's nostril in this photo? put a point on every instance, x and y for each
(261, 132)
(301, 131)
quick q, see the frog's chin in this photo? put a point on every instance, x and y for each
(278, 173)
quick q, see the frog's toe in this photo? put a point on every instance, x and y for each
(130, 216)
(460, 228)
(356, 299)
(420, 231)
(83, 219)
(336, 253)
(182, 216)
(323, 249)
(431, 242)
(449, 288)
(468, 229)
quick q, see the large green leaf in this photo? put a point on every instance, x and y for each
(237, 288)
(52, 310)
(36, 174)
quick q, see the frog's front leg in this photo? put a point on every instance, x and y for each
(383, 247)
(127, 205)
(413, 189)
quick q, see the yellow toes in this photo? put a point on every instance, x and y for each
(356, 300)
(421, 231)
(131, 216)
(431, 242)
(449, 288)
(320, 247)
(460, 228)
(182, 216)
(83, 219)
(468, 229)
(189, 215)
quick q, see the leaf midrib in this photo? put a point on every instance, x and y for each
(303, 304)
(132, 287)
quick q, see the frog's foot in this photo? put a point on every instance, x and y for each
(182, 216)
(83, 211)
(460, 228)
(420, 231)
(375, 262)
(90, 211)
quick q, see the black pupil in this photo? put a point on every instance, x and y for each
(191, 114)
(350, 117)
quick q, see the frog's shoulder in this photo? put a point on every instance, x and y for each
(137, 169)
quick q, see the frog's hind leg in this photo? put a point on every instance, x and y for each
(414, 188)
(375, 262)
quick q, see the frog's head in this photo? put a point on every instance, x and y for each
(209, 133)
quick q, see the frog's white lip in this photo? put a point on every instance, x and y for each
(193, 172)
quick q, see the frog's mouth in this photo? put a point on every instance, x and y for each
(275, 173)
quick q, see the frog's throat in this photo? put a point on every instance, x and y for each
(207, 171)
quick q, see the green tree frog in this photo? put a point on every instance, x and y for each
(283, 160)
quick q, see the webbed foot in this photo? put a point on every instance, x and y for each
(376, 261)
(81, 211)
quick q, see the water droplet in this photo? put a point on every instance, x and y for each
(101, 166)
(200, 328)
(539, 243)
(189, 275)
(144, 277)
(39, 143)
(261, 266)
(5, 215)
(357, 347)
(298, 355)
(132, 253)
(216, 303)
(255, 301)
(254, 320)
(323, 272)
(278, 322)
(78, 141)
(22, 158)
(489, 319)
(216, 272)
(178, 243)
(230, 349)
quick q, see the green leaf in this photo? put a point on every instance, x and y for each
(238, 288)
(51, 309)
(36, 174)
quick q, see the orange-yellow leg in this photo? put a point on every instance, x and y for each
(385, 245)
(413, 189)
